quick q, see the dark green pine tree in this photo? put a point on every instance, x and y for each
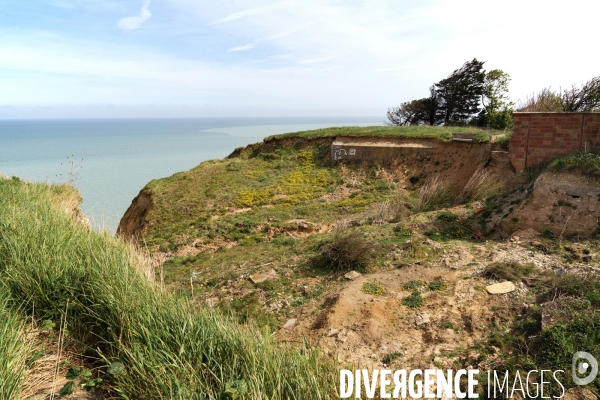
(459, 94)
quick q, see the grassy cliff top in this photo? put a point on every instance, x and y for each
(443, 133)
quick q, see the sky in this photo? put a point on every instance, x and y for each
(194, 58)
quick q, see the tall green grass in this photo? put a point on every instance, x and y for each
(15, 349)
(169, 350)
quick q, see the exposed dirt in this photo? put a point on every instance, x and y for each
(132, 224)
(567, 204)
(378, 330)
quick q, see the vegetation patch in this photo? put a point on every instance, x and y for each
(348, 249)
(373, 288)
(414, 300)
(587, 163)
(509, 271)
(412, 285)
(437, 285)
(144, 342)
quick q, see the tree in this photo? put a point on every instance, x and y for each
(497, 107)
(546, 100)
(415, 112)
(458, 95)
(584, 99)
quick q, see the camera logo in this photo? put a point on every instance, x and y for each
(580, 367)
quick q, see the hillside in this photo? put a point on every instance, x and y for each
(81, 311)
(384, 264)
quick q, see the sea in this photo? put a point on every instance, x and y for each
(110, 160)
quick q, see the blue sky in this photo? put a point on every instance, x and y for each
(182, 58)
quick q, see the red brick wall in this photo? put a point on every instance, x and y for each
(540, 137)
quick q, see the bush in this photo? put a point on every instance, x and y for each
(412, 285)
(447, 216)
(415, 300)
(437, 285)
(373, 288)
(347, 250)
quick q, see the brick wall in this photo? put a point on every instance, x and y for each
(540, 137)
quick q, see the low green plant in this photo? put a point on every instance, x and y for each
(414, 300)
(447, 216)
(373, 288)
(437, 285)
(403, 231)
(447, 325)
(412, 284)
(390, 357)
(587, 163)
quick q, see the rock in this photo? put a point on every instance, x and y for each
(527, 234)
(501, 288)
(290, 324)
(435, 246)
(261, 277)
(302, 225)
(579, 393)
(332, 332)
(421, 318)
(560, 271)
(352, 275)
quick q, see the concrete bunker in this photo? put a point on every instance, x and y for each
(375, 149)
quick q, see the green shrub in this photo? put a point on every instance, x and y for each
(437, 285)
(402, 231)
(413, 284)
(373, 288)
(414, 300)
(447, 216)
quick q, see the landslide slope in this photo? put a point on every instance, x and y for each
(270, 234)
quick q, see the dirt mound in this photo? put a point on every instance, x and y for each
(564, 203)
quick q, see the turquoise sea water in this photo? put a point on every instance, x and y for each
(116, 158)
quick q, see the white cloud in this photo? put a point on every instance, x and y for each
(131, 23)
(242, 48)
(252, 11)
(317, 60)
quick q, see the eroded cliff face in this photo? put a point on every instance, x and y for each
(134, 220)
(564, 203)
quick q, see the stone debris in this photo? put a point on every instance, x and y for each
(332, 332)
(527, 234)
(434, 245)
(421, 318)
(261, 277)
(501, 288)
(290, 324)
(352, 275)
